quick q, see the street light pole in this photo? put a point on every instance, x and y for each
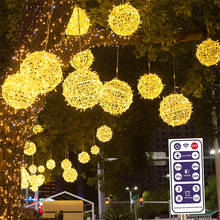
(130, 190)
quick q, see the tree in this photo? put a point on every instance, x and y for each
(211, 193)
(166, 26)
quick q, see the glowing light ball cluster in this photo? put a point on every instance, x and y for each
(66, 164)
(18, 91)
(24, 178)
(208, 52)
(116, 97)
(51, 164)
(37, 129)
(41, 169)
(83, 157)
(44, 69)
(70, 175)
(79, 23)
(175, 109)
(33, 169)
(124, 20)
(82, 89)
(104, 133)
(29, 148)
(82, 60)
(150, 86)
(95, 150)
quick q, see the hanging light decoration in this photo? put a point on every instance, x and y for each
(95, 150)
(34, 188)
(79, 23)
(150, 86)
(116, 97)
(33, 169)
(44, 69)
(124, 20)
(40, 180)
(29, 148)
(37, 129)
(51, 164)
(175, 109)
(66, 164)
(82, 89)
(83, 157)
(32, 179)
(104, 133)
(19, 91)
(24, 178)
(41, 169)
(208, 52)
(70, 175)
(82, 60)
(24, 184)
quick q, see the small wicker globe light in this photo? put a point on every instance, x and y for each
(44, 69)
(82, 89)
(175, 109)
(51, 164)
(208, 52)
(33, 169)
(82, 60)
(150, 86)
(37, 129)
(34, 188)
(41, 169)
(124, 20)
(116, 97)
(40, 180)
(24, 178)
(70, 175)
(29, 148)
(24, 184)
(32, 179)
(104, 133)
(66, 164)
(83, 157)
(79, 23)
(18, 91)
(95, 150)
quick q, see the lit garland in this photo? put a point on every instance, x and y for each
(79, 23)
(95, 150)
(19, 91)
(175, 109)
(66, 164)
(51, 164)
(104, 133)
(82, 89)
(82, 60)
(83, 157)
(150, 86)
(208, 52)
(116, 97)
(33, 169)
(37, 129)
(29, 148)
(44, 69)
(70, 175)
(41, 169)
(124, 20)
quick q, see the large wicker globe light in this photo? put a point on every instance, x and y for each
(44, 69)
(70, 175)
(124, 20)
(82, 60)
(83, 157)
(29, 148)
(66, 164)
(208, 52)
(51, 164)
(104, 133)
(19, 91)
(116, 97)
(175, 109)
(79, 23)
(82, 89)
(37, 129)
(33, 169)
(95, 150)
(41, 169)
(150, 86)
